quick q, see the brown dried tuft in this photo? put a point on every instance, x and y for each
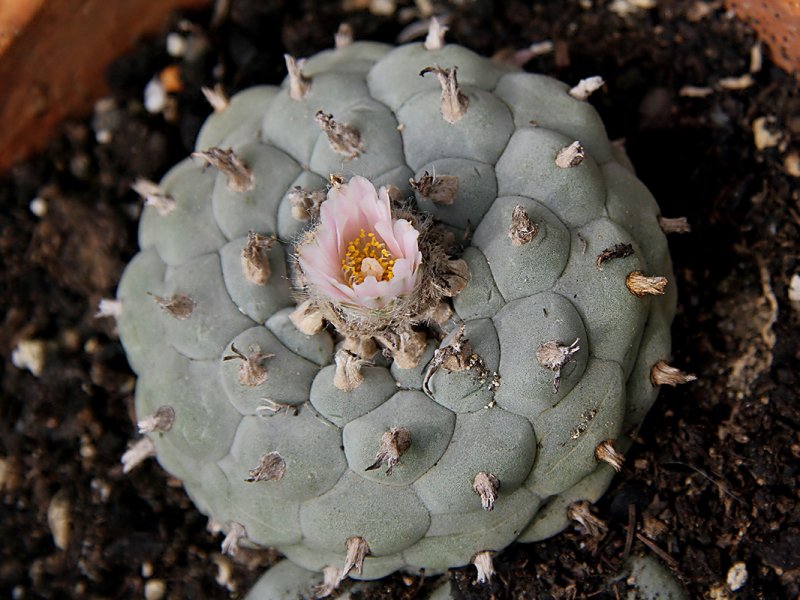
(299, 84)
(393, 444)
(343, 138)
(307, 318)
(271, 467)
(641, 285)
(357, 550)
(581, 512)
(554, 355)
(615, 251)
(240, 177)
(305, 203)
(255, 258)
(237, 532)
(522, 229)
(154, 196)
(486, 486)
(483, 563)
(161, 420)
(252, 372)
(343, 36)
(454, 101)
(570, 156)
(674, 225)
(179, 306)
(605, 452)
(348, 374)
(439, 189)
(662, 373)
(216, 97)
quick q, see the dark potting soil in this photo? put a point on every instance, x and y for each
(714, 477)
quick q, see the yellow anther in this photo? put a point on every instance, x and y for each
(366, 255)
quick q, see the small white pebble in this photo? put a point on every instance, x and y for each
(29, 354)
(737, 83)
(794, 289)
(103, 136)
(695, 91)
(147, 569)
(38, 207)
(737, 576)
(762, 136)
(176, 45)
(155, 96)
(791, 162)
(58, 519)
(155, 589)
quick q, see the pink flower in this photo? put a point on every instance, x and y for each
(359, 255)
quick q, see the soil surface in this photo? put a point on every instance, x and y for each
(715, 476)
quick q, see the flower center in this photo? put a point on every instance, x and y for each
(366, 256)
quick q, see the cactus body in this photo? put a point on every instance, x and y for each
(263, 436)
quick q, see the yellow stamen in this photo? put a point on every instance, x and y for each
(367, 256)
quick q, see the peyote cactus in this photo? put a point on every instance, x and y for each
(407, 377)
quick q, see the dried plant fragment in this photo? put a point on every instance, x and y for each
(605, 452)
(486, 485)
(179, 306)
(522, 229)
(343, 36)
(435, 38)
(356, 551)
(554, 355)
(343, 138)
(255, 258)
(272, 407)
(586, 87)
(299, 84)
(641, 285)
(236, 533)
(674, 225)
(348, 375)
(454, 280)
(161, 420)
(140, 451)
(615, 251)
(108, 307)
(305, 203)
(581, 513)
(252, 372)
(737, 83)
(404, 345)
(483, 563)
(662, 373)
(455, 354)
(240, 177)
(393, 444)
(216, 97)
(271, 467)
(331, 578)
(570, 156)
(154, 196)
(439, 189)
(307, 318)
(454, 101)
(365, 347)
